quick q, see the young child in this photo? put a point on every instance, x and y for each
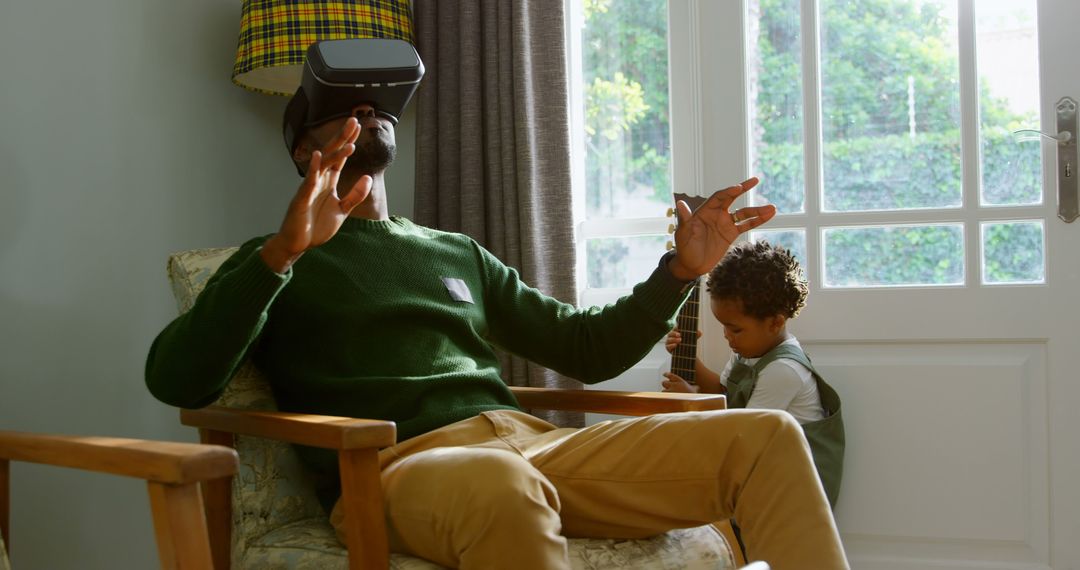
(755, 289)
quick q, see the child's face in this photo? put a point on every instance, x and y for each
(748, 336)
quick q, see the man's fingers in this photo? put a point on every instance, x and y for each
(682, 209)
(358, 193)
(309, 187)
(724, 198)
(742, 187)
(751, 224)
(752, 217)
(347, 135)
(332, 176)
(336, 160)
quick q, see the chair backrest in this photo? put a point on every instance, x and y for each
(273, 488)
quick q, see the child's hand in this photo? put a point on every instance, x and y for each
(674, 338)
(676, 384)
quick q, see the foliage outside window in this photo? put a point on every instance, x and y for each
(890, 135)
(627, 134)
(890, 125)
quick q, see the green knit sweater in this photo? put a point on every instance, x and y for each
(390, 320)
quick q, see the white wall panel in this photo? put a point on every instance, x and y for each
(946, 460)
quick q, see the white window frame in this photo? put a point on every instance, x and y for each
(706, 155)
(710, 151)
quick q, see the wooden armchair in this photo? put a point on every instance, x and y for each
(358, 442)
(269, 517)
(172, 471)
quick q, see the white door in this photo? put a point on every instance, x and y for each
(943, 287)
(944, 292)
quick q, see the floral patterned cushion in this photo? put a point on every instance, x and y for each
(272, 488)
(312, 544)
(4, 563)
(278, 521)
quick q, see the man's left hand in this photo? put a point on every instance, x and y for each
(704, 236)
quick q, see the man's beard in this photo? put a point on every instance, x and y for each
(373, 155)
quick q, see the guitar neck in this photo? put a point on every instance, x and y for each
(684, 357)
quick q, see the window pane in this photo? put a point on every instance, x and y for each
(623, 261)
(1008, 64)
(793, 240)
(1013, 252)
(776, 111)
(894, 255)
(625, 72)
(890, 104)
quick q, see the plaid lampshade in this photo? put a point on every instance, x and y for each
(275, 34)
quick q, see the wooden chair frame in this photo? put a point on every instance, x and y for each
(358, 441)
(172, 472)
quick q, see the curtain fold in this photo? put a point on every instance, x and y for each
(493, 144)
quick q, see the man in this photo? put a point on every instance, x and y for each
(351, 312)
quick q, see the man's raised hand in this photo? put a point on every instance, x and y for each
(318, 210)
(704, 236)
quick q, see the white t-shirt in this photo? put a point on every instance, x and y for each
(783, 385)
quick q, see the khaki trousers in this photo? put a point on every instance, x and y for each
(505, 489)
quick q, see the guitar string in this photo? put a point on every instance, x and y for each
(684, 355)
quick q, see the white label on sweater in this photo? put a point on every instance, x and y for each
(458, 290)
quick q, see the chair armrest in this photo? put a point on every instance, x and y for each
(616, 402)
(156, 461)
(330, 432)
(356, 440)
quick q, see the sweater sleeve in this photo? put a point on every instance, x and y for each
(194, 357)
(591, 344)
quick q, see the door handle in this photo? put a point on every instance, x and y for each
(1068, 207)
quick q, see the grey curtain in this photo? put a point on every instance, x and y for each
(493, 146)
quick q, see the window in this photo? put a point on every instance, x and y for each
(888, 203)
(893, 135)
(620, 76)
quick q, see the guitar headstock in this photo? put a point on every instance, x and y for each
(694, 202)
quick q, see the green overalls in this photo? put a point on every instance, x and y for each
(826, 436)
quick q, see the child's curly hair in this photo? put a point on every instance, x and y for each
(767, 279)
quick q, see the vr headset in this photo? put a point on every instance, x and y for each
(341, 74)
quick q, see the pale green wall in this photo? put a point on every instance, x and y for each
(121, 140)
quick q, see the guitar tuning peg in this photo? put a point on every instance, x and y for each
(671, 228)
(669, 245)
(670, 212)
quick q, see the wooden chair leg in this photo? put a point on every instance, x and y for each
(365, 522)
(217, 497)
(180, 526)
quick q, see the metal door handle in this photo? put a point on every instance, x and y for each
(1068, 208)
